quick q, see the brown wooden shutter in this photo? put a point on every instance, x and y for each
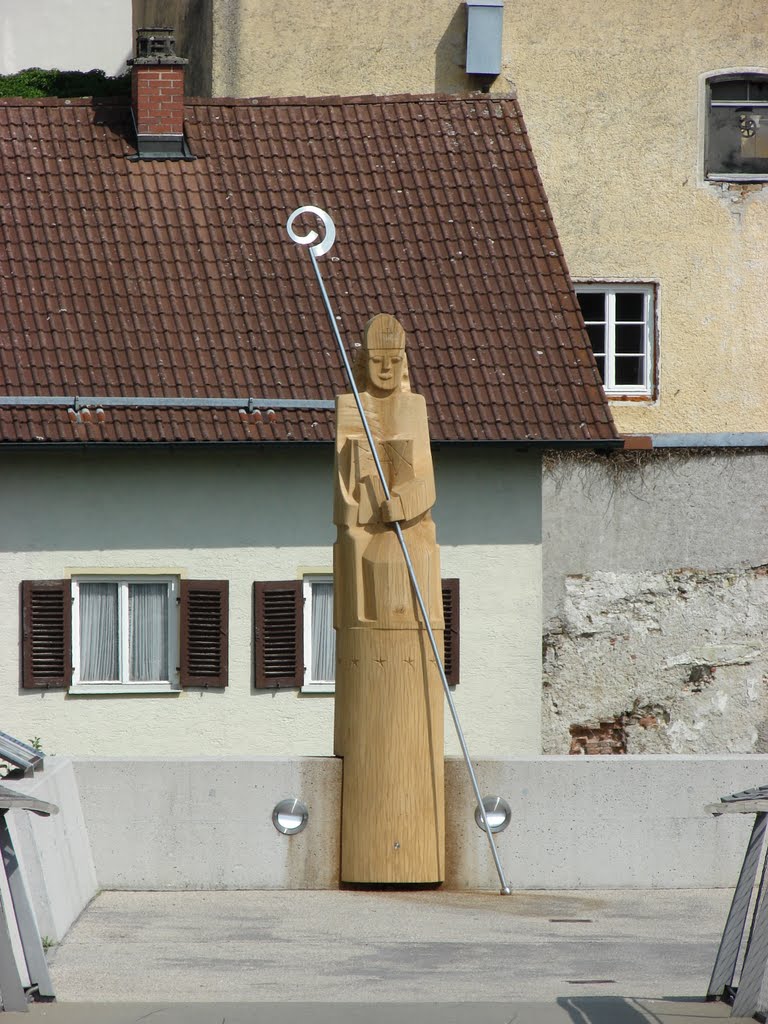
(46, 631)
(278, 634)
(451, 643)
(204, 633)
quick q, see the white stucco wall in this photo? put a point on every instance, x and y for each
(263, 514)
(67, 34)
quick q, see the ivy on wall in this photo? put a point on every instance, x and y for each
(37, 82)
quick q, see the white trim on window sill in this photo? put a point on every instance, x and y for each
(319, 688)
(741, 179)
(121, 689)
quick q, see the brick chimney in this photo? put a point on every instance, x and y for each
(157, 96)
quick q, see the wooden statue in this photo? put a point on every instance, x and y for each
(389, 698)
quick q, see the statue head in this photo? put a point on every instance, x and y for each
(383, 356)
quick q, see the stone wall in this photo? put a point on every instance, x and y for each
(656, 603)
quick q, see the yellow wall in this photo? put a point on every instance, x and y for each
(611, 96)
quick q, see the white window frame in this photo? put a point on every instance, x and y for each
(611, 289)
(124, 685)
(311, 685)
(705, 104)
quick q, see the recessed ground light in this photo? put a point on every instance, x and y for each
(290, 816)
(497, 811)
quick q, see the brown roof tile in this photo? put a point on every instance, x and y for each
(160, 278)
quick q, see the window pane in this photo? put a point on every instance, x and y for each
(592, 305)
(148, 629)
(736, 89)
(99, 661)
(323, 635)
(596, 334)
(738, 141)
(630, 306)
(629, 370)
(758, 89)
(630, 339)
(600, 360)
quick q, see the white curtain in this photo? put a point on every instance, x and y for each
(98, 632)
(323, 636)
(148, 629)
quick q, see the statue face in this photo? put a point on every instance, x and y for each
(385, 369)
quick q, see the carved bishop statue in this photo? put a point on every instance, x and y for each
(389, 698)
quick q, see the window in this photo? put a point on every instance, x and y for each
(294, 640)
(124, 634)
(737, 127)
(124, 631)
(319, 634)
(620, 325)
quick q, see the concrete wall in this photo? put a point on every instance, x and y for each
(656, 602)
(327, 47)
(72, 35)
(54, 852)
(597, 822)
(206, 823)
(604, 822)
(263, 514)
(619, 151)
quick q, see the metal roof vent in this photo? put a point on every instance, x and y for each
(484, 23)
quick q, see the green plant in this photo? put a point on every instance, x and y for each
(36, 743)
(39, 82)
(47, 941)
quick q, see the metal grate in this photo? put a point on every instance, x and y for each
(155, 42)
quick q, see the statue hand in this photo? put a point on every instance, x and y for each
(392, 510)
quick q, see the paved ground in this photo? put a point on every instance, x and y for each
(578, 1010)
(608, 957)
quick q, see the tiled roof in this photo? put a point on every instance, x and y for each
(162, 278)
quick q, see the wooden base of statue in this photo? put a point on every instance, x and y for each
(389, 730)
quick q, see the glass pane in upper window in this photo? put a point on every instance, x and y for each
(600, 360)
(630, 306)
(592, 305)
(323, 635)
(737, 141)
(733, 89)
(99, 635)
(596, 334)
(148, 630)
(630, 339)
(629, 370)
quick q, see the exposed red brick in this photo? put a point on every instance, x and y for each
(607, 737)
(636, 442)
(158, 99)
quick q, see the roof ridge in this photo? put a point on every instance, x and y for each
(266, 101)
(338, 100)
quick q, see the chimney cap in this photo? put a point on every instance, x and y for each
(156, 46)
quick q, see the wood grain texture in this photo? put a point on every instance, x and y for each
(389, 701)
